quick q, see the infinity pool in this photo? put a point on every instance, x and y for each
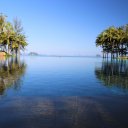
(63, 92)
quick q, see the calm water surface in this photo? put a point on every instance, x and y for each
(63, 92)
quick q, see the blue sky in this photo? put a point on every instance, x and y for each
(65, 27)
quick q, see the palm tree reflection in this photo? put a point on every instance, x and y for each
(11, 70)
(113, 73)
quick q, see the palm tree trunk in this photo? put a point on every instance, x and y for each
(18, 50)
(8, 46)
(8, 50)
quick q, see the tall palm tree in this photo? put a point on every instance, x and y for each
(2, 31)
(2, 22)
(114, 40)
(101, 41)
(20, 41)
(12, 38)
(9, 33)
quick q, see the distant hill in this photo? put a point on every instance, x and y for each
(98, 55)
(52, 55)
(33, 54)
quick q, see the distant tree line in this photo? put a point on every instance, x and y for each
(12, 38)
(114, 41)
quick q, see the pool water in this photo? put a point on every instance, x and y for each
(63, 92)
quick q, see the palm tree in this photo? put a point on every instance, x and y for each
(101, 41)
(2, 30)
(125, 37)
(9, 33)
(114, 40)
(20, 41)
(12, 38)
(2, 22)
(106, 40)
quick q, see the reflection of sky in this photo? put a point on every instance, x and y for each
(62, 76)
(63, 93)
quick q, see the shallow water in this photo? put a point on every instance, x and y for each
(63, 92)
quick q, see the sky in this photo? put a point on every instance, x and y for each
(65, 27)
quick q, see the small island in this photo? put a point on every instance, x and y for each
(98, 55)
(33, 54)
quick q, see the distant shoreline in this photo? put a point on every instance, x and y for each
(60, 56)
(57, 55)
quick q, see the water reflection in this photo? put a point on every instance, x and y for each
(113, 73)
(11, 70)
(36, 105)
